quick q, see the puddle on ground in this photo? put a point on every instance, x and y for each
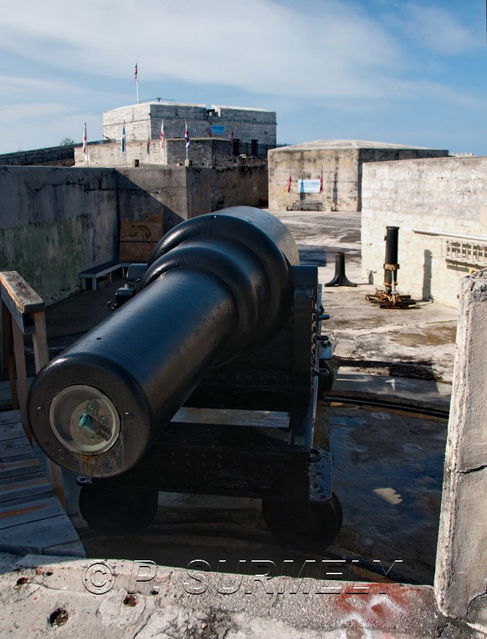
(388, 475)
(433, 336)
(388, 471)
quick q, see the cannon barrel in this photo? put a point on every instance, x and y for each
(217, 286)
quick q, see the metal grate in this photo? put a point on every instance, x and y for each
(462, 252)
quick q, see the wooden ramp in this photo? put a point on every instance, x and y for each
(31, 517)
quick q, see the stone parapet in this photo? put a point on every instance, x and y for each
(461, 570)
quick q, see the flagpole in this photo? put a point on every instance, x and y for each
(149, 138)
(85, 146)
(136, 78)
(186, 142)
(162, 142)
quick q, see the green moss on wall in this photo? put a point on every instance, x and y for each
(59, 247)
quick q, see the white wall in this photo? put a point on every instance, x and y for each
(442, 195)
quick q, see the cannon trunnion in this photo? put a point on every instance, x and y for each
(204, 380)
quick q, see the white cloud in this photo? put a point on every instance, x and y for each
(32, 110)
(17, 86)
(74, 60)
(436, 28)
(255, 45)
(40, 124)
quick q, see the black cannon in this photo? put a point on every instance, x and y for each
(204, 380)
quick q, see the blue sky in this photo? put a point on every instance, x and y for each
(410, 72)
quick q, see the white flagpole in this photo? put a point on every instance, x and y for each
(136, 77)
(85, 146)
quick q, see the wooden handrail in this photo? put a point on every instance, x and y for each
(24, 313)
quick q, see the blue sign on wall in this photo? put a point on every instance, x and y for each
(218, 130)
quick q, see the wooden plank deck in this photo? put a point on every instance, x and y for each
(31, 517)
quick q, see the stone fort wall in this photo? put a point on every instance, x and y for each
(440, 207)
(142, 120)
(57, 222)
(339, 169)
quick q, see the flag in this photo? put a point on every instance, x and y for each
(289, 183)
(148, 139)
(161, 134)
(84, 140)
(136, 73)
(321, 182)
(123, 140)
(186, 135)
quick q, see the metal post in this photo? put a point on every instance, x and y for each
(391, 259)
(389, 296)
(340, 279)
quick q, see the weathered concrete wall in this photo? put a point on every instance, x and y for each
(461, 576)
(441, 196)
(176, 193)
(202, 152)
(53, 155)
(56, 222)
(244, 184)
(110, 155)
(247, 124)
(339, 169)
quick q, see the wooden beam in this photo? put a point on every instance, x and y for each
(8, 360)
(21, 377)
(39, 339)
(23, 295)
(23, 309)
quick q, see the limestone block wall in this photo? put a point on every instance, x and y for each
(339, 169)
(248, 124)
(56, 222)
(202, 152)
(244, 184)
(460, 576)
(432, 201)
(109, 154)
(140, 119)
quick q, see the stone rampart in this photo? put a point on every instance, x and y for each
(57, 222)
